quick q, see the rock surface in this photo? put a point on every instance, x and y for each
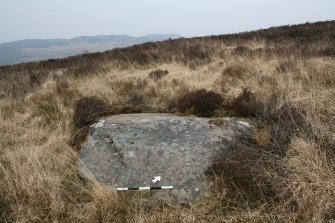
(130, 150)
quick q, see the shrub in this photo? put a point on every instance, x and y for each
(129, 109)
(194, 54)
(200, 102)
(246, 104)
(288, 120)
(197, 51)
(77, 137)
(158, 74)
(88, 110)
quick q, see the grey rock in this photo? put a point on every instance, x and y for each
(130, 150)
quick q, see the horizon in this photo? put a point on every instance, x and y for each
(70, 19)
(181, 36)
(99, 35)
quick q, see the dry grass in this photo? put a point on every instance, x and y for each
(311, 182)
(290, 72)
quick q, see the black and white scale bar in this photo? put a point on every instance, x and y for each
(145, 188)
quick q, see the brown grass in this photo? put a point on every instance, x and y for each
(280, 79)
(246, 173)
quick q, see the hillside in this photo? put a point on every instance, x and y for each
(281, 79)
(43, 49)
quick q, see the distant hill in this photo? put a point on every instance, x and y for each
(43, 49)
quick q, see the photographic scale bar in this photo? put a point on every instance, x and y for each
(144, 188)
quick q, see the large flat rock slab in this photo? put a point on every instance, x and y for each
(130, 150)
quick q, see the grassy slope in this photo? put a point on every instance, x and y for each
(295, 65)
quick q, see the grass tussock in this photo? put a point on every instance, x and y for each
(280, 79)
(236, 71)
(311, 181)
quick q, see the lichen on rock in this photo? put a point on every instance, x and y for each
(130, 150)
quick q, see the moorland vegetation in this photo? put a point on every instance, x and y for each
(281, 79)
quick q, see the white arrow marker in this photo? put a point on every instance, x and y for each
(158, 178)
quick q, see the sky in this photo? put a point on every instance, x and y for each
(44, 19)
